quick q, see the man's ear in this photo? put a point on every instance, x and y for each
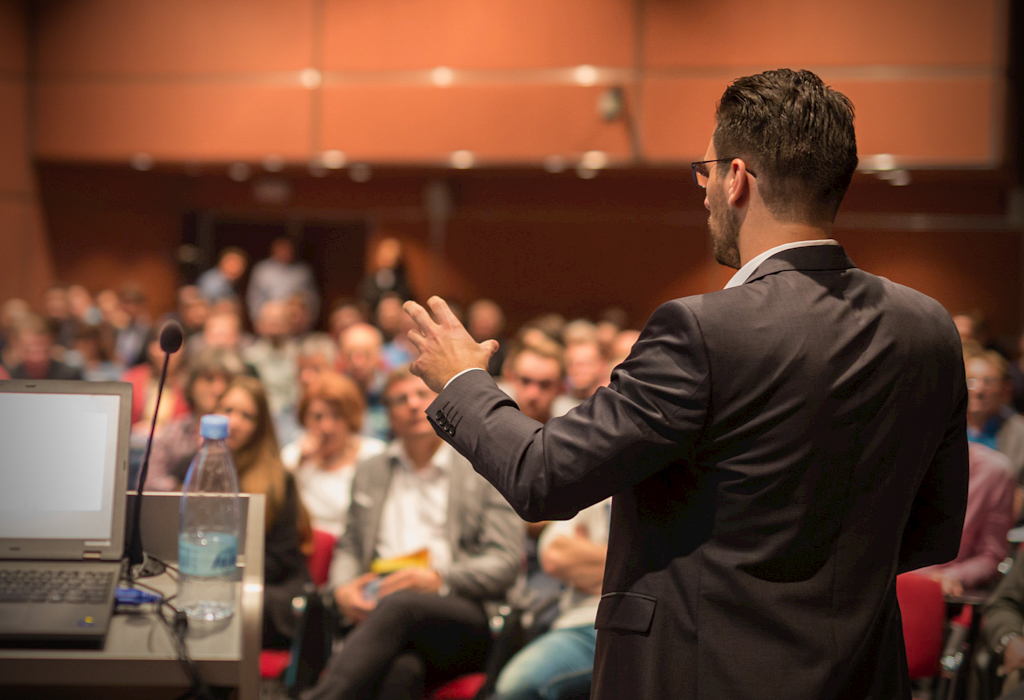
(739, 183)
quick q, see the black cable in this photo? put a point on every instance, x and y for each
(198, 689)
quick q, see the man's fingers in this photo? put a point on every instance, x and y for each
(491, 346)
(417, 339)
(419, 315)
(442, 312)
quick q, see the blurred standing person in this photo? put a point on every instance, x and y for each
(332, 409)
(485, 320)
(221, 282)
(387, 275)
(255, 450)
(360, 360)
(278, 277)
(130, 341)
(34, 347)
(174, 447)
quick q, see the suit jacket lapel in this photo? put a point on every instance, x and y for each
(378, 491)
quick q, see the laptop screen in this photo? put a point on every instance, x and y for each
(58, 465)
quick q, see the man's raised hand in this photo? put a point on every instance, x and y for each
(446, 347)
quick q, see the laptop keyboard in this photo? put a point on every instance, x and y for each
(32, 586)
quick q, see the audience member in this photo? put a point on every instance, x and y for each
(255, 450)
(990, 515)
(536, 375)
(92, 356)
(275, 357)
(387, 275)
(145, 378)
(420, 624)
(12, 314)
(346, 312)
(486, 321)
(278, 277)
(223, 329)
(317, 355)
(559, 663)
(622, 346)
(58, 318)
(209, 374)
(300, 316)
(221, 282)
(130, 341)
(586, 370)
(610, 323)
(395, 324)
(82, 307)
(990, 420)
(332, 410)
(360, 360)
(192, 311)
(1003, 627)
(34, 346)
(579, 330)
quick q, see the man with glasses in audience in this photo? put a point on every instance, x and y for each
(777, 451)
(420, 502)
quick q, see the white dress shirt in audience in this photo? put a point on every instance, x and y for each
(326, 493)
(415, 514)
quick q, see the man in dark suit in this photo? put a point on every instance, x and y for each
(778, 451)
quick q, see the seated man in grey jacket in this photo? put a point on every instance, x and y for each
(421, 624)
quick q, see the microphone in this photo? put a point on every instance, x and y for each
(171, 337)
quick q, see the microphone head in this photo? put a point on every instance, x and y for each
(171, 337)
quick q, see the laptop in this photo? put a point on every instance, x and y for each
(63, 498)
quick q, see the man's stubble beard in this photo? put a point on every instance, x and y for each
(724, 231)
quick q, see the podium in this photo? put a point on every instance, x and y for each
(138, 659)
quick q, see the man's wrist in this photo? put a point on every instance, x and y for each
(459, 374)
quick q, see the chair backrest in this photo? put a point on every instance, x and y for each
(923, 610)
(319, 561)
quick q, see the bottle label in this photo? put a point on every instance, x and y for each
(211, 554)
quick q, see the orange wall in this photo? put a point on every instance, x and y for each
(25, 265)
(195, 80)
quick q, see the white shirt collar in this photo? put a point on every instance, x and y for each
(744, 273)
(441, 459)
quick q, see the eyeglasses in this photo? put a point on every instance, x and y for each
(701, 174)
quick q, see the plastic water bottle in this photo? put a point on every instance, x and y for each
(209, 527)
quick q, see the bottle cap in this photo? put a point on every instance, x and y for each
(213, 427)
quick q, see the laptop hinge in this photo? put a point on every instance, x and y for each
(90, 555)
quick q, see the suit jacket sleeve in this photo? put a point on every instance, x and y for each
(932, 533)
(650, 416)
(497, 551)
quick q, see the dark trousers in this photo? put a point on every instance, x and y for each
(409, 642)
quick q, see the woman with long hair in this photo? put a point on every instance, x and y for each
(332, 411)
(257, 458)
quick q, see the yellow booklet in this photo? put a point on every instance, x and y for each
(383, 567)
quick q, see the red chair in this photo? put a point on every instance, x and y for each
(923, 610)
(274, 662)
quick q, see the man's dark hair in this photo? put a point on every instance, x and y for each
(796, 134)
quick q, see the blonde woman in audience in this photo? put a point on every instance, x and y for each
(254, 448)
(332, 411)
